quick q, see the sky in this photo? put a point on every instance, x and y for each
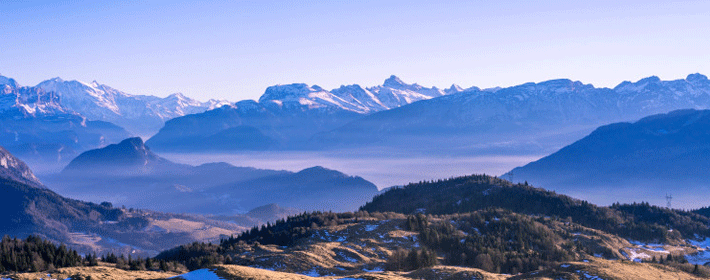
(235, 49)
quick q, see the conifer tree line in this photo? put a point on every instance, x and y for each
(35, 254)
(139, 263)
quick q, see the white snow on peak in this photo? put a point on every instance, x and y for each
(392, 94)
(309, 96)
(454, 89)
(138, 113)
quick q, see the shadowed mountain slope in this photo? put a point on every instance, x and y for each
(657, 155)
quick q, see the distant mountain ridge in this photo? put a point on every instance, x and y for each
(285, 117)
(140, 114)
(130, 167)
(391, 94)
(531, 118)
(528, 118)
(38, 128)
(52, 122)
(644, 160)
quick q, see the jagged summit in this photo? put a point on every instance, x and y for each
(392, 94)
(130, 153)
(140, 114)
(135, 142)
(454, 88)
(394, 82)
(9, 82)
(287, 92)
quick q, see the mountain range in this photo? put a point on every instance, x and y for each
(130, 167)
(52, 122)
(659, 155)
(285, 117)
(139, 114)
(531, 118)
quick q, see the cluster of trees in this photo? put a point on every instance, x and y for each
(681, 263)
(35, 254)
(284, 232)
(138, 263)
(639, 221)
(705, 211)
(403, 260)
(196, 255)
(494, 240)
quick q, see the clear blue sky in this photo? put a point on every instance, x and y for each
(235, 49)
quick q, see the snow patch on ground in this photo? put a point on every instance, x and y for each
(703, 255)
(370, 227)
(312, 273)
(346, 258)
(705, 243)
(635, 255)
(200, 274)
(645, 244)
(700, 258)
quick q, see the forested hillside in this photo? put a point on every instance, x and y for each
(639, 221)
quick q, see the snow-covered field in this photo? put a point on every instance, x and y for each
(703, 255)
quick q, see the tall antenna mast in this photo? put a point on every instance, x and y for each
(668, 200)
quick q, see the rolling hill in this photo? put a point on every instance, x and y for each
(644, 160)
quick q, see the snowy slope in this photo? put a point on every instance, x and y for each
(392, 94)
(139, 114)
(18, 101)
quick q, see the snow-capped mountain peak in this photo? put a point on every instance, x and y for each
(454, 89)
(393, 93)
(141, 114)
(394, 82)
(8, 82)
(288, 92)
(311, 97)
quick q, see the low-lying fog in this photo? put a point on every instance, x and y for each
(383, 171)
